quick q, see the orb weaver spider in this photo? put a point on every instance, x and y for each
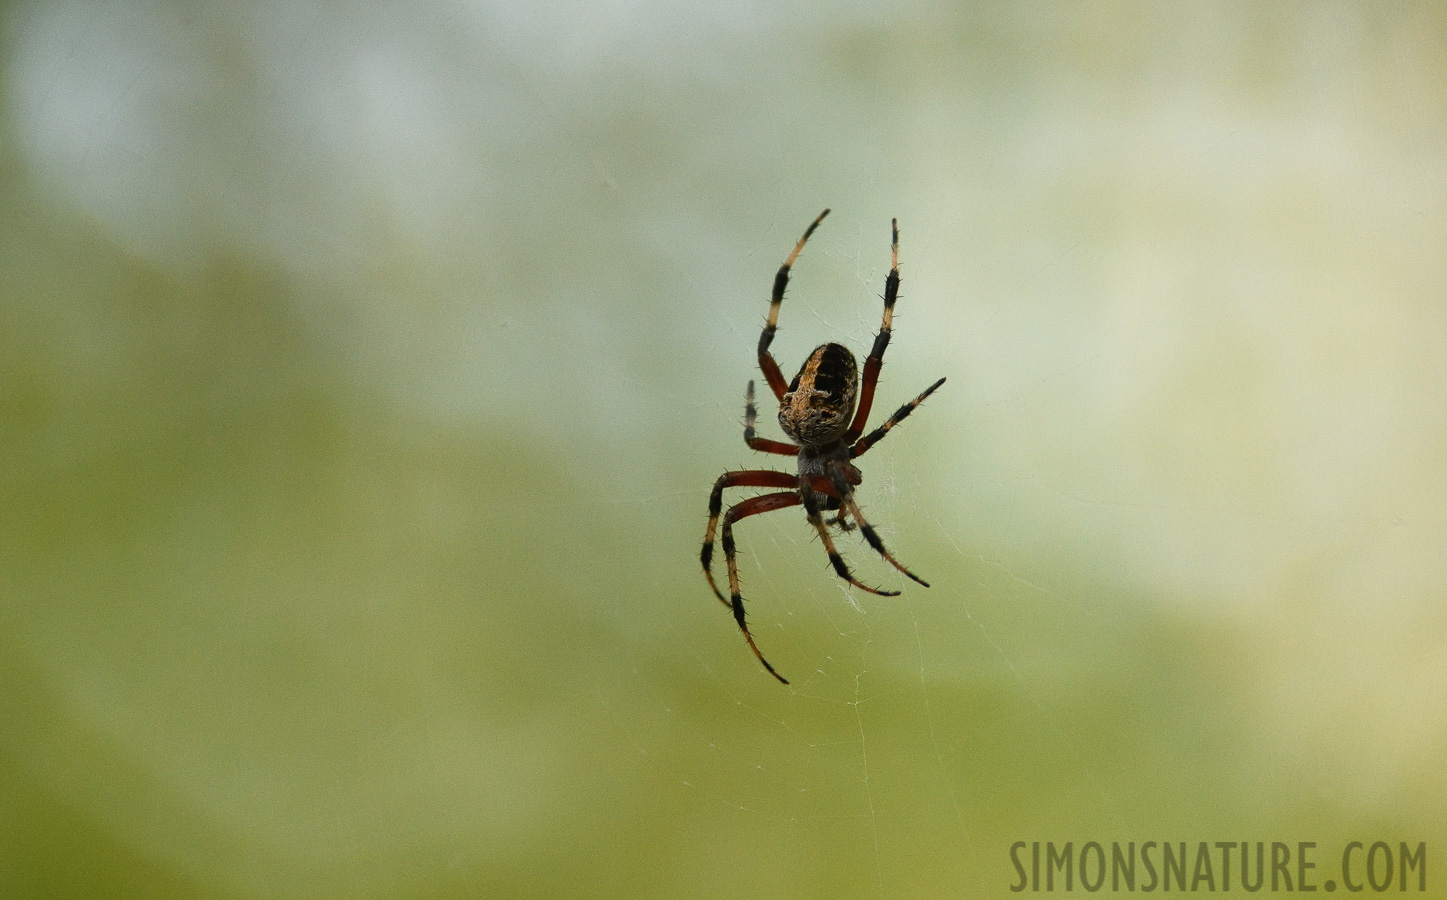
(817, 410)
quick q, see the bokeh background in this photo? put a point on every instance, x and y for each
(364, 369)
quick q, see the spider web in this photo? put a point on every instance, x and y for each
(876, 655)
(1079, 583)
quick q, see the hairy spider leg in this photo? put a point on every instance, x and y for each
(745, 478)
(763, 445)
(767, 364)
(748, 478)
(870, 439)
(846, 494)
(875, 360)
(750, 507)
(811, 507)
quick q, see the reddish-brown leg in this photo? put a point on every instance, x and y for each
(807, 491)
(754, 478)
(846, 495)
(763, 445)
(747, 478)
(750, 507)
(870, 439)
(767, 364)
(875, 360)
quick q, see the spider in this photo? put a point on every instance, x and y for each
(817, 410)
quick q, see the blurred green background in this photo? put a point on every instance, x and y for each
(364, 370)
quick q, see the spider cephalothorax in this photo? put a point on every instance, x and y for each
(817, 409)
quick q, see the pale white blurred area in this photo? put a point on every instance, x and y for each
(1232, 370)
(1185, 268)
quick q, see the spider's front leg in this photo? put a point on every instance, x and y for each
(750, 507)
(746, 478)
(811, 508)
(838, 477)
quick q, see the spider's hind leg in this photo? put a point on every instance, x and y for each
(767, 364)
(875, 359)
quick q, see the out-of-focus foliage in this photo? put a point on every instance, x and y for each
(364, 370)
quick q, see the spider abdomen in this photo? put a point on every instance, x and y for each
(817, 407)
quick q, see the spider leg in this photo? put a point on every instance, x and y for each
(746, 478)
(875, 360)
(869, 440)
(767, 363)
(846, 494)
(811, 507)
(763, 445)
(750, 507)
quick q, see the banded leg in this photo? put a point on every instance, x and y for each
(750, 507)
(811, 507)
(767, 364)
(875, 360)
(763, 445)
(870, 439)
(848, 502)
(747, 478)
